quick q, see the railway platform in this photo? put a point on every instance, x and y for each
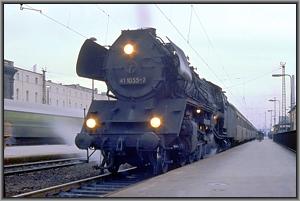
(22, 154)
(254, 169)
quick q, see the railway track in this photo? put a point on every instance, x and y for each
(98, 186)
(41, 165)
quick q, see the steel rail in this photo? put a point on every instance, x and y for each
(41, 165)
(75, 185)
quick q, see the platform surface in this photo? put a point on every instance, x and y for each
(253, 169)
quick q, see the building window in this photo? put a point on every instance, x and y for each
(36, 80)
(17, 76)
(75, 105)
(57, 102)
(36, 96)
(69, 103)
(27, 95)
(56, 90)
(64, 103)
(17, 94)
(27, 78)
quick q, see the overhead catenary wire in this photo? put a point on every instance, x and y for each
(195, 51)
(188, 35)
(254, 78)
(54, 20)
(110, 16)
(107, 24)
(210, 42)
(213, 48)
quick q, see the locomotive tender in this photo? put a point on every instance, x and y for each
(162, 112)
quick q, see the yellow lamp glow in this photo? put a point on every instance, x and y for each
(128, 49)
(91, 123)
(155, 122)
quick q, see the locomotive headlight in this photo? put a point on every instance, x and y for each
(198, 111)
(91, 123)
(155, 122)
(128, 49)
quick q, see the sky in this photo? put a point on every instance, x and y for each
(236, 46)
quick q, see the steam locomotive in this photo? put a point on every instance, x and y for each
(161, 113)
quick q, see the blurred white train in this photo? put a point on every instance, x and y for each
(36, 124)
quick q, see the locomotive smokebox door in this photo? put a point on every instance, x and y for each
(91, 61)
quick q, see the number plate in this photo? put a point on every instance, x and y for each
(132, 80)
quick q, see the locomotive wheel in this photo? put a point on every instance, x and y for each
(112, 163)
(114, 168)
(159, 161)
(181, 160)
(162, 157)
(205, 151)
(191, 158)
(198, 153)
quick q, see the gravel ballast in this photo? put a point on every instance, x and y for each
(26, 182)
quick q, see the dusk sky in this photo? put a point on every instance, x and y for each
(236, 46)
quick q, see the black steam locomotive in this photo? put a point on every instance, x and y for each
(161, 113)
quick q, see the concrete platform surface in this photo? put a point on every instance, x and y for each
(20, 154)
(254, 169)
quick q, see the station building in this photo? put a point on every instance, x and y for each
(32, 87)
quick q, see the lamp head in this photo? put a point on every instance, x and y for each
(277, 75)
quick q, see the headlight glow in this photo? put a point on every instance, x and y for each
(128, 49)
(198, 111)
(91, 123)
(155, 122)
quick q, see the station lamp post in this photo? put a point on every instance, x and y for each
(271, 119)
(292, 91)
(274, 100)
(292, 87)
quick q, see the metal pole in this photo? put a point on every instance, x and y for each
(271, 119)
(274, 110)
(282, 64)
(278, 112)
(44, 86)
(292, 90)
(265, 121)
(93, 89)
